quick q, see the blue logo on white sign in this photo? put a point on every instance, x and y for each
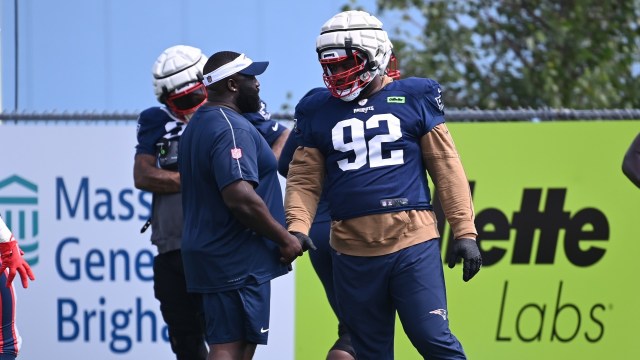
(19, 201)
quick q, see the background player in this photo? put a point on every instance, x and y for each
(177, 76)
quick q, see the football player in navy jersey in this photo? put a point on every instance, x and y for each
(234, 240)
(177, 81)
(369, 142)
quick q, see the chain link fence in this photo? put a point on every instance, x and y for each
(452, 115)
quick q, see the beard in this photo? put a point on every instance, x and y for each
(248, 101)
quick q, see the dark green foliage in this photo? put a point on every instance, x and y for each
(579, 54)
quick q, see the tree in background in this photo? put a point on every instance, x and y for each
(521, 53)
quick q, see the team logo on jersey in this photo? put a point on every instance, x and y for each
(20, 199)
(236, 153)
(362, 102)
(295, 126)
(439, 100)
(395, 99)
(363, 110)
(263, 110)
(441, 312)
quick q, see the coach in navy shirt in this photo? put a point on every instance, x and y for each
(234, 241)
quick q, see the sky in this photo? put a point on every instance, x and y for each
(96, 55)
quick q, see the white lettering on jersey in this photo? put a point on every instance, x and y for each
(439, 100)
(363, 110)
(364, 151)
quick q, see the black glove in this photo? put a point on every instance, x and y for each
(468, 250)
(305, 241)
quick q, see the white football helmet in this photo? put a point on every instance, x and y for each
(352, 49)
(177, 79)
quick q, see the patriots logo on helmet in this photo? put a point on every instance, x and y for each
(441, 312)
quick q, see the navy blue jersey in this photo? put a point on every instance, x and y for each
(371, 147)
(154, 124)
(270, 129)
(218, 148)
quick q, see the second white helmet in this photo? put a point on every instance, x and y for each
(175, 68)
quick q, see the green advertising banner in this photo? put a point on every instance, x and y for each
(556, 220)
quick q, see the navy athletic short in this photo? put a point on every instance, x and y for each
(241, 314)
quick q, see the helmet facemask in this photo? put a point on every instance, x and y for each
(185, 100)
(345, 72)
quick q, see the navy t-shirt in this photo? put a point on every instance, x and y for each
(218, 148)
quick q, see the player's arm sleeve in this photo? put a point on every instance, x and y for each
(233, 156)
(443, 164)
(631, 162)
(304, 186)
(148, 130)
